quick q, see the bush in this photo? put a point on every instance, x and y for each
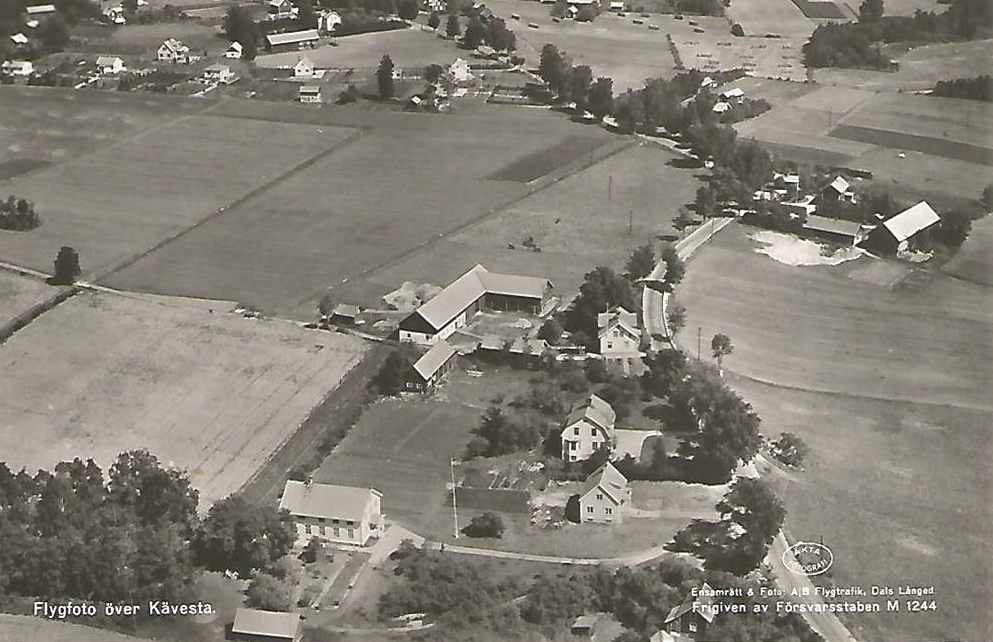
(737, 30)
(485, 525)
(269, 593)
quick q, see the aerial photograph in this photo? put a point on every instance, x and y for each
(496, 320)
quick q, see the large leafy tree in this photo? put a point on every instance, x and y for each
(751, 515)
(384, 77)
(242, 536)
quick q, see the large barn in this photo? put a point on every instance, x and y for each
(898, 232)
(476, 290)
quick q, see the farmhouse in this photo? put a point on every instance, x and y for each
(17, 67)
(459, 73)
(899, 232)
(234, 50)
(838, 190)
(432, 367)
(476, 290)
(692, 616)
(266, 626)
(279, 9)
(619, 336)
(304, 68)
(110, 64)
(115, 15)
(218, 73)
(40, 9)
(292, 40)
(720, 107)
(341, 514)
(19, 39)
(802, 208)
(788, 182)
(328, 21)
(588, 427)
(835, 230)
(733, 95)
(174, 51)
(604, 495)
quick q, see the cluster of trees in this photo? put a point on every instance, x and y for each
(457, 595)
(492, 32)
(789, 449)
(601, 290)
(239, 27)
(18, 214)
(575, 84)
(857, 44)
(751, 516)
(978, 88)
(640, 598)
(501, 432)
(484, 525)
(394, 373)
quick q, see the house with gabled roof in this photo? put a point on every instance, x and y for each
(589, 426)
(619, 334)
(280, 9)
(174, 51)
(304, 68)
(839, 190)
(256, 625)
(110, 64)
(218, 73)
(432, 367)
(693, 616)
(343, 514)
(898, 232)
(604, 496)
(475, 291)
(17, 67)
(234, 50)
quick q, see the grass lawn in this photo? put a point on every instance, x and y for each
(901, 493)
(122, 200)
(213, 393)
(408, 48)
(406, 181)
(50, 125)
(144, 40)
(851, 328)
(974, 260)
(760, 17)
(29, 628)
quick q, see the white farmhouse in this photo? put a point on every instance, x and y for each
(589, 427)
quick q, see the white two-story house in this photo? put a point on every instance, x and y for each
(589, 427)
(619, 337)
(604, 496)
(343, 514)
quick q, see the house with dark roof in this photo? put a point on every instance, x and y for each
(589, 426)
(475, 291)
(432, 367)
(899, 232)
(693, 616)
(835, 230)
(604, 495)
(343, 514)
(255, 625)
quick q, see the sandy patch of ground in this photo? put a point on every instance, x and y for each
(630, 442)
(794, 251)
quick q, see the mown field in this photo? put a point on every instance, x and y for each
(213, 393)
(408, 179)
(124, 199)
(759, 17)
(26, 627)
(50, 125)
(407, 48)
(974, 260)
(856, 328)
(920, 68)
(611, 46)
(886, 375)
(19, 293)
(901, 493)
(578, 223)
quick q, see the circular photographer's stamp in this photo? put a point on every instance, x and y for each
(808, 558)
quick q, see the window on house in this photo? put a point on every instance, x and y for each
(320, 519)
(351, 533)
(337, 532)
(589, 509)
(572, 458)
(610, 511)
(306, 528)
(575, 430)
(692, 627)
(600, 497)
(573, 445)
(609, 345)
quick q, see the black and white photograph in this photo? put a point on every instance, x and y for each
(496, 320)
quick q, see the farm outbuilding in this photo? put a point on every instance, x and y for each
(431, 368)
(835, 230)
(292, 40)
(899, 232)
(110, 64)
(255, 625)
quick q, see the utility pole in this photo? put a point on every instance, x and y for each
(699, 340)
(630, 221)
(455, 510)
(610, 186)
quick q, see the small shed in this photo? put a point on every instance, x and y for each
(431, 368)
(343, 312)
(234, 50)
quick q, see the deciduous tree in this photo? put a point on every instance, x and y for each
(384, 77)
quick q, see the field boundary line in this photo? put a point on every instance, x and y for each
(134, 258)
(461, 227)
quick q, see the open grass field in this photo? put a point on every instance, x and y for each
(920, 68)
(716, 49)
(122, 200)
(26, 627)
(887, 378)
(974, 260)
(579, 222)
(402, 448)
(50, 125)
(946, 127)
(144, 40)
(408, 179)
(610, 45)
(215, 394)
(19, 293)
(783, 17)
(407, 48)
(775, 92)
(861, 327)
(901, 493)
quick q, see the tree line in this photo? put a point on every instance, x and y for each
(857, 44)
(978, 88)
